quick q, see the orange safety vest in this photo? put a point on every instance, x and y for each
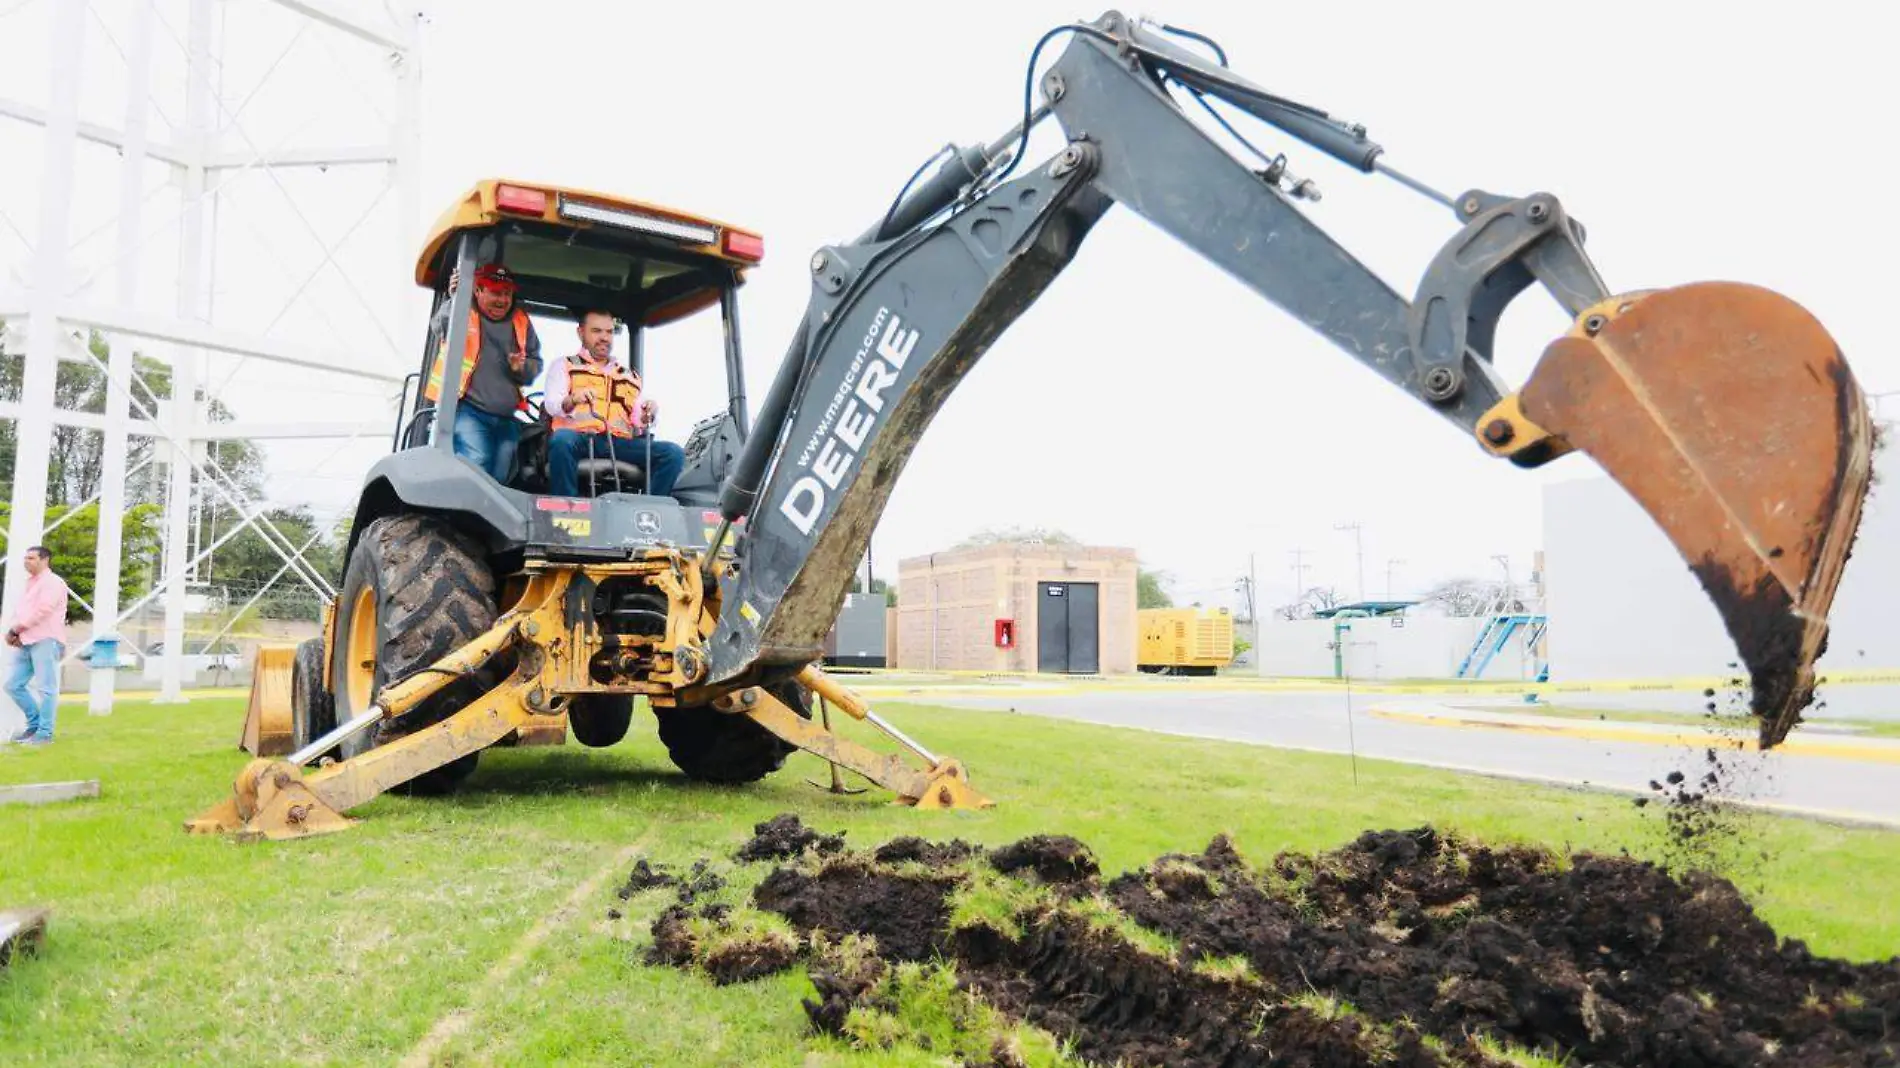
(471, 348)
(586, 378)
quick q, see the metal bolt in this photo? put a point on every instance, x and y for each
(749, 698)
(1593, 324)
(1441, 383)
(818, 262)
(1538, 211)
(1499, 432)
(1471, 205)
(531, 629)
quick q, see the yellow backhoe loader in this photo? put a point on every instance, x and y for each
(475, 612)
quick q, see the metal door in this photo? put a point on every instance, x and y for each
(1085, 652)
(1068, 628)
(1052, 627)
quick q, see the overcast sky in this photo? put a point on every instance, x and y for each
(1147, 400)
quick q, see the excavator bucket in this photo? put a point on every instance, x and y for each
(1728, 412)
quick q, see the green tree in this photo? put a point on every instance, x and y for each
(75, 546)
(1150, 591)
(245, 564)
(76, 464)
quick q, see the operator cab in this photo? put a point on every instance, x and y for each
(569, 249)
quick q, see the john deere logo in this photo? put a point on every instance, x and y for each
(647, 522)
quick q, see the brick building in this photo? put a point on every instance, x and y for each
(1018, 607)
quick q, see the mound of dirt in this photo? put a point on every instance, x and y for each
(907, 914)
(783, 837)
(934, 854)
(1054, 858)
(1405, 947)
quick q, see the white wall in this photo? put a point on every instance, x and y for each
(1623, 605)
(1425, 647)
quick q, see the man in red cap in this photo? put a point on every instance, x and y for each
(500, 354)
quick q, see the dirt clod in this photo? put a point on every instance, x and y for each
(783, 837)
(700, 881)
(1054, 858)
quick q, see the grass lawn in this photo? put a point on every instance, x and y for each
(474, 930)
(1865, 728)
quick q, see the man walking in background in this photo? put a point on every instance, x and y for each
(38, 631)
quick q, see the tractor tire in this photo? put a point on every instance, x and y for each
(312, 711)
(722, 747)
(599, 720)
(415, 589)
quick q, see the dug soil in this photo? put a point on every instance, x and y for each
(1404, 947)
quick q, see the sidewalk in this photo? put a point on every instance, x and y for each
(1874, 750)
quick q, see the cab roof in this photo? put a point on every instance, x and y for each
(650, 264)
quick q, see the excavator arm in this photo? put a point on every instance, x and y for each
(1724, 409)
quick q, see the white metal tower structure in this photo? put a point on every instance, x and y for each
(228, 187)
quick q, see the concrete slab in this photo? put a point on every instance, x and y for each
(44, 793)
(21, 932)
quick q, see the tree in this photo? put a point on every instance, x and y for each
(76, 464)
(1313, 601)
(242, 566)
(1470, 597)
(1149, 591)
(75, 547)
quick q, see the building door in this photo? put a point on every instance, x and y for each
(1068, 628)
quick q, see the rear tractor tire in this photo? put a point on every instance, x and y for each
(415, 589)
(725, 747)
(312, 709)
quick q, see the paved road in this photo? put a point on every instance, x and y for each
(1857, 779)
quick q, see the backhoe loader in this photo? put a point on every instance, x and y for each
(473, 613)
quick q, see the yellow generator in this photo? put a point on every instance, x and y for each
(1184, 641)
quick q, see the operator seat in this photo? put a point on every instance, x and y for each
(597, 476)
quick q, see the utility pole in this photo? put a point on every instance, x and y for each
(1245, 584)
(1388, 576)
(1299, 572)
(1253, 592)
(1359, 553)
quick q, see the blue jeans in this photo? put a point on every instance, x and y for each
(566, 447)
(487, 441)
(37, 664)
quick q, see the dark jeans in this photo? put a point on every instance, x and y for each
(485, 440)
(566, 447)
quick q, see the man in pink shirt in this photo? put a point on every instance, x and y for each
(39, 632)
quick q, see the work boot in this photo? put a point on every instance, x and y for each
(21, 736)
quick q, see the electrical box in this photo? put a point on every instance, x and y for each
(105, 652)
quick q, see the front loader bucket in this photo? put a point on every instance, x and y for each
(267, 726)
(1728, 412)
